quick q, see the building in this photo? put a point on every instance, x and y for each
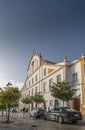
(41, 74)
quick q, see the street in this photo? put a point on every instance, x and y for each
(29, 123)
(52, 125)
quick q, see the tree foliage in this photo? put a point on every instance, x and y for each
(38, 98)
(63, 91)
(9, 97)
(2, 106)
(27, 100)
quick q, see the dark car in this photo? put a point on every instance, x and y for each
(63, 114)
(14, 110)
(39, 112)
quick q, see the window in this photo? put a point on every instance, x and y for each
(29, 93)
(51, 103)
(61, 110)
(33, 66)
(74, 78)
(32, 92)
(25, 95)
(50, 83)
(35, 90)
(58, 78)
(44, 87)
(29, 82)
(56, 103)
(35, 78)
(32, 80)
(44, 71)
(36, 64)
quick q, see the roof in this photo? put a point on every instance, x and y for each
(49, 62)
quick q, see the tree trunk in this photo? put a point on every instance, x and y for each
(63, 103)
(2, 112)
(8, 115)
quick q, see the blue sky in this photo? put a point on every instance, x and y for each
(54, 28)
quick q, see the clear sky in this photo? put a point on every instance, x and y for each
(54, 28)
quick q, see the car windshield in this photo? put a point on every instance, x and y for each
(41, 109)
(69, 109)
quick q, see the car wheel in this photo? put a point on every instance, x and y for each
(48, 118)
(44, 117)
(60, 120)
(74, 121)
(56, 119)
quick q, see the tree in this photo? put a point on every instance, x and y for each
(2, 107)
(27, 100)
(9, 97)
(38, 98)
(63, 91)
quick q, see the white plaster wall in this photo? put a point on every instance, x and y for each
(76, 68)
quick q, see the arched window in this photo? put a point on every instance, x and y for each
(36, 64)
(33, 66)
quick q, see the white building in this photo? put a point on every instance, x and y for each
(41, 74)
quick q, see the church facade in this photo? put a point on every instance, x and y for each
(41, 74)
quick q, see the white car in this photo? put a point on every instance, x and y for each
(33, 111)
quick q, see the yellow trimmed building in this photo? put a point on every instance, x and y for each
(41, 74)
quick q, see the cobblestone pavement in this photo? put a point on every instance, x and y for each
(39, 124)
(14, 125)
(52, 125)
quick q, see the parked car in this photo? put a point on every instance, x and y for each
(63, 114)
(37, 112)
(14, 110)
(33, 111)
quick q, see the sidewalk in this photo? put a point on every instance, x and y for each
(83, 116)
(38, 124)
(15, 125)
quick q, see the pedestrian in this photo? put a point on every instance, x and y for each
(23, 111)
(48, 108)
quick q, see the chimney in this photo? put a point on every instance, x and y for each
(65, 59)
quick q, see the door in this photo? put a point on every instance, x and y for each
(77, 103)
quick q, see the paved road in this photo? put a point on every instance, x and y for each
(51, 125)
(27, 123)
(15, 124)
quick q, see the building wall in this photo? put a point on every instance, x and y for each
(75, 69)
(83, 84)
(47, 71)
